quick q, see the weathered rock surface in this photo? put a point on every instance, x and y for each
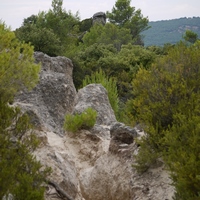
(84, 167)
(95, 96)
(88, 165)
(54, 95)
(121, 136)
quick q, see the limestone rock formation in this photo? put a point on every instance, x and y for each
(92, 164)
(54, 95)
(95, 96)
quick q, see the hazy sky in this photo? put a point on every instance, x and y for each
(12, 12)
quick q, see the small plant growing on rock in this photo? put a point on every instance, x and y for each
(85, 120)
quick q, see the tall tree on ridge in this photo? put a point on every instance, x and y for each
(125, 16)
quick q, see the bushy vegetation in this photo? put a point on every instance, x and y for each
(125, 16)
(85, 120)
(122, 65)
(51, 32)
(170, 31)
(167, 103)
(20, 173)
(66, 33)
(17, 64)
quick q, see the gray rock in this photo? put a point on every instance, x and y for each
(64, 172)
(124, 134)
(99, 17)
(95, 96)
(121, 136)
(109, 179)
(54, 95)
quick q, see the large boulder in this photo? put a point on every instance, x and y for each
(54, 95)
(96, 97)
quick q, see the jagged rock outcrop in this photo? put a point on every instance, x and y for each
(92, 164)
(54, 95)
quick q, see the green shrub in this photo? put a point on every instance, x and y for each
(183, 155)
(85, 120)
(164, 89)
(20, 173)
(167, 102)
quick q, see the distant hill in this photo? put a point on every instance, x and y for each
(170, 31)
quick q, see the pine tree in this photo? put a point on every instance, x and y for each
(21, 175)
(17, 67)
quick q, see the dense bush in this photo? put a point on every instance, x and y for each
(122, 65)
(17, 67)
(85, 120)
(183, 153)
(20, 173)
(53, 32)
(167, 103)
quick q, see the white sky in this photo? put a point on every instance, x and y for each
(12, 12)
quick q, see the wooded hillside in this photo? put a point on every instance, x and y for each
(170, 31)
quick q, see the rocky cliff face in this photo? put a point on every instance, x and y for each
(54, 95)
(88, 165)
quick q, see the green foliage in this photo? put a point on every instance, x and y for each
(51, 32)
(20, 173)
(123, 15)
(85, 120)
(167, 103)
(165, 85)
(146, 157)
(60, 21)
(85, 25)
(42, 39)
(57, 6)
(107, 34)
(170, 31)
(121, 65)
(190, 36)
(17, 67)
(121, 12)
(86, 61)
(109, 83)
(182, 156)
